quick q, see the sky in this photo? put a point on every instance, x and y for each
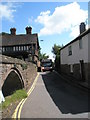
(55, 22)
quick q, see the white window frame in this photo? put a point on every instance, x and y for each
(24, 48)
(14, 48)
(21, 48)
(27, 48)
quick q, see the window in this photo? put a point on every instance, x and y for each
(70, 50)
(27, 48)
(19, 48)
(22, 48)
(13, 48)
(0, 49)
(16, 48)
(9, 48)
(80, 44)
(6, 49)
(30, 47)
(3, 49)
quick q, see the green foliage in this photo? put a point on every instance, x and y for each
(56, 52)
(18, 95)
(42, 55)
(56, 49)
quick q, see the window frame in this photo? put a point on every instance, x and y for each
(70, 50)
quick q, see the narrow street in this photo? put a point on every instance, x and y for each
(54, 98)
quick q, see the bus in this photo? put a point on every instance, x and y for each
(46, 65)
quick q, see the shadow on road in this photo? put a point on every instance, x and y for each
(67, 98)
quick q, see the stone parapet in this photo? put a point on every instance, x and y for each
(26, 70)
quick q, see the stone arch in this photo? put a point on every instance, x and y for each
(14, 81)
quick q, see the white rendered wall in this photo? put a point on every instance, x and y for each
(77, 53)
(89, 47)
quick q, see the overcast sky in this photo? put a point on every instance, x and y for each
(55, 22)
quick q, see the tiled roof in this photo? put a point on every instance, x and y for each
(23, 39)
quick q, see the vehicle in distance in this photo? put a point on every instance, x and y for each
(46, 65)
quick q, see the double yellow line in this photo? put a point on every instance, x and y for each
(18, 109)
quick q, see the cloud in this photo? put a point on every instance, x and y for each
(6, 11)
(64, 18)
(30, 20)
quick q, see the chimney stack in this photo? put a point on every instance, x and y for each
(13, 31)
(82, 27)
(28, 30)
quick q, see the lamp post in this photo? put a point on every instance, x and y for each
(41, 40)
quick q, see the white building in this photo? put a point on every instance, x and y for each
(75, 56)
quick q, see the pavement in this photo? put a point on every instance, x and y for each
(80, 84)
(53, 97)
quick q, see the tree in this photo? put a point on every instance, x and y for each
(42, 55)
(56, 52)
(56, 49)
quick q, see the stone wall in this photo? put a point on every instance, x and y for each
(27, 70)
(29, 74)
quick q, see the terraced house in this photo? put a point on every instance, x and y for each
(75, 56)
(24, 46)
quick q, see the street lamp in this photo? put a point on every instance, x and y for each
(41, 40)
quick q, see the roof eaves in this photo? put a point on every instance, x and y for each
(77, 38)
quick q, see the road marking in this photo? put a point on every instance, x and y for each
(15, 113)
(19, 112)
(18, 109)
(33, 86)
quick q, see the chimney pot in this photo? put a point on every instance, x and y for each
(82, 27)
(13, 31)
(28, 30)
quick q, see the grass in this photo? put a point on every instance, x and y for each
(16, 96)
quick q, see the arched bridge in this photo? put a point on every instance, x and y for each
(15, 74)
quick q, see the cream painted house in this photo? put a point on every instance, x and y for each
(75, 56)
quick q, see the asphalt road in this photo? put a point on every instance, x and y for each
(53, 97)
